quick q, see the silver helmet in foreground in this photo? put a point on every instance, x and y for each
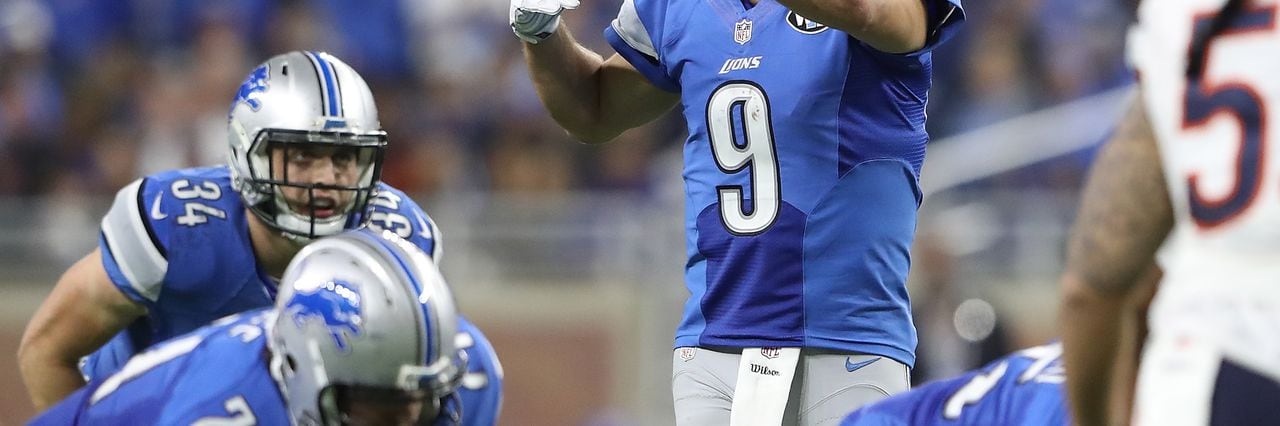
(365, 322)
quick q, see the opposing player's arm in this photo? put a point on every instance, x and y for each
(81, 314)
(593, 98)
(1133, 329)
(893, 26)
(1124, 216)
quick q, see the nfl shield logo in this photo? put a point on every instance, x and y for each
(770, 353)
(687, 354)
(742, 31)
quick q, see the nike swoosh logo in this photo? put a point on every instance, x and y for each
(155, 208)
(854, 366)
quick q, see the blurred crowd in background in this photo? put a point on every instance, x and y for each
(96, 93)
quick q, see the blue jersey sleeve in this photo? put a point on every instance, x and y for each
(481, 389)
(638, 34)
(109, 358)
(178, 243)
(392, 210)
(132, 252)
(192, 211)
(944, 20)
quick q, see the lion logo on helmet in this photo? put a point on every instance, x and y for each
(254, 84)
(335, 304)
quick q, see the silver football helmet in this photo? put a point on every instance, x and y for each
(364, 315)
(290, 104)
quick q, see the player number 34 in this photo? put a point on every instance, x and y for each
(197, 212)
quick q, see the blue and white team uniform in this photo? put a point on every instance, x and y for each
(218, 373)
(801, 174)
(801, 171)
(481, 387)
(1024, 388)
(178, 243)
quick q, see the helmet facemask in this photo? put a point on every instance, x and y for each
(426, 394)
(363, 405)
(313, 181)
(300, 102)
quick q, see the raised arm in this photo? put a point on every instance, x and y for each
(81, 314)
(594, 99)
(1124, 216)
(893, 26)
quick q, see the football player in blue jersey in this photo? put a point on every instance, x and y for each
(363, 333)
(806, 123)
(182, 248)
(1024, 388)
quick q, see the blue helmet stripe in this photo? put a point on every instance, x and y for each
(427, 348)
(330, 84)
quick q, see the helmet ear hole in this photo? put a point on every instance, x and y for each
(291, 365)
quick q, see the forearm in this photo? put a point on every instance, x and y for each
(893, 26)
(1090, 346)
(49, 379)
(566, 76)
(1129, 354)
(81, 314)
(1102, 348)
(1125, 214)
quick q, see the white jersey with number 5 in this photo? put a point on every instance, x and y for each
(1220, 295)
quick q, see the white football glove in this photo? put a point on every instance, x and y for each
(535, 20)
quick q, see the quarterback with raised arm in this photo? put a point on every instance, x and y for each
(806, 123)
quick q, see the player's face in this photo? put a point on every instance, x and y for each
(321, 165)
(380, 408)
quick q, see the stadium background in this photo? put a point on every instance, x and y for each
(568, 256)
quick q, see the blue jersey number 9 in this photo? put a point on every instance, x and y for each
(741, 133)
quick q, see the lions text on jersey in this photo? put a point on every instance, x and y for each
(801, 170)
